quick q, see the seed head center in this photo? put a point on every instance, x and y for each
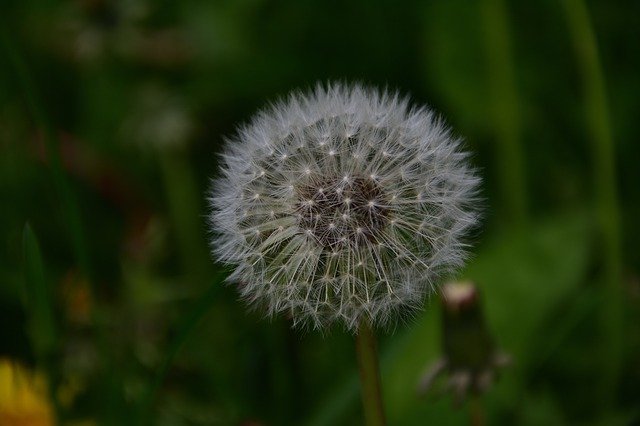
(338, 211)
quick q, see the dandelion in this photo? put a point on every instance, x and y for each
(342, 205)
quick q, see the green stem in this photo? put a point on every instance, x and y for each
(476, 411)
(505, 110)
(183, 197)
(603, 153)
(369, 376)
(42, 325)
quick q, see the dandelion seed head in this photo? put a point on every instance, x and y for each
(342, 204)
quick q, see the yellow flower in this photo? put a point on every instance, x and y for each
(23, 396)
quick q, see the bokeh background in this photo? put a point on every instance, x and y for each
(111, 117)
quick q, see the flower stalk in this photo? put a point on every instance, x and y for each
(368, 367)
(599, 129)
(476, 411)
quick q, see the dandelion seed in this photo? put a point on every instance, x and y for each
(358, 235)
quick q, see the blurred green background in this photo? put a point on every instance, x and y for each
(111, 117)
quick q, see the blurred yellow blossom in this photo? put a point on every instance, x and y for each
(23, 396)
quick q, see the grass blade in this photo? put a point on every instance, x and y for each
(39, 306)
(39, 301)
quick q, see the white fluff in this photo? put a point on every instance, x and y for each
(341, 205)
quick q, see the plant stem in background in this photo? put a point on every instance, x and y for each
(182, 196)
(603, 152)
(369, 376)
(42, 325)
(504, 107)
(476, 411)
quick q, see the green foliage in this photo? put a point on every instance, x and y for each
(534, 259)
(111, 117)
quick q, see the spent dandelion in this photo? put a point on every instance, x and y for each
(342, 205)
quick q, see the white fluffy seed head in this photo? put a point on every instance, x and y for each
(341, 205)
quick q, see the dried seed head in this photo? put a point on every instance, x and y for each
(339, 212)
(340, 205)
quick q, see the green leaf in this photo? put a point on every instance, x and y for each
(39, 303)
(525, 276)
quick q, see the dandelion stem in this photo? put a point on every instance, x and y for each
(603, 151)
(369, 375)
